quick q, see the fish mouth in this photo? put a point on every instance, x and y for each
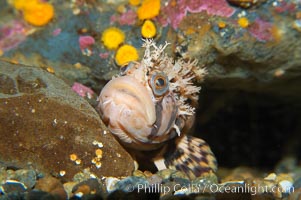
(127, 108)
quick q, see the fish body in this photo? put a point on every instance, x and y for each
(148, 107)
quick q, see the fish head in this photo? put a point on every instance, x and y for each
(148, 103)
(138, 107)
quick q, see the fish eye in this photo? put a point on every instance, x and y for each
(159, 84)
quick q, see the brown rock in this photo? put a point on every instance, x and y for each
(43, 122)
(68, 188)
(90, 186)
(51, 185)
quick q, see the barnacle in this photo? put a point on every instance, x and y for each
(98, 153)
(98, 165)
(112, 37)
(149, 9)
(78, 161)
(73, 157)
(125, 54)
(62, 173)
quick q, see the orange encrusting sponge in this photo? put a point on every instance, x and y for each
(35, 12)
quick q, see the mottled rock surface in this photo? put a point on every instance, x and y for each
(43, 122)
(235, 55)
(52, 186)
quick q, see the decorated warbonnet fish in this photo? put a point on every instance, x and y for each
(149, 105)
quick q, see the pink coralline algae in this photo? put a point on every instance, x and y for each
(11, 35)
(127, 18)
(104, 55)
(82, 90)
(285, 7)
(176, 10)
(85, 42)
(56, 32)
(261, 30)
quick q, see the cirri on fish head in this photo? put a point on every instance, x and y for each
(146, 105)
